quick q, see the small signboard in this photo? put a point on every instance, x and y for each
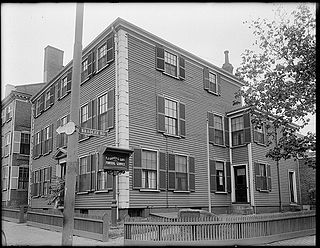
(92, 132)
(114, 158)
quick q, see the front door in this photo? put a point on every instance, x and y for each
(240, 183)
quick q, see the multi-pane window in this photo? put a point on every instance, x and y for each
(102, 56)
(64, 86)
(149, 169)
(213, 82)
(102, 180)
(259, 134)
(84, 69)
(220, 176)
(36, 183)
(83, 174)
(9, 111)
(237, 130)
(181, 173)
(38, 105)
(103, 107)
(292, 187)
(47, 136)
(171, 117)
(62, 137)
(7, 141)
(263, 175)
(47, 98)
(46, 181)
(218, 130)
(5, 176)
(170, 63)
(25, 143)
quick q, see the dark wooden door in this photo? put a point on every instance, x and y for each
(240, 183)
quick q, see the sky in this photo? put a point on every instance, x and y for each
(204, 29)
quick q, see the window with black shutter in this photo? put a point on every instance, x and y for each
(241, 129)
(170, 63)
(211, 81)
(162, 171)
(263, 177)
(259, 134)
(171, 117)
(218, 129)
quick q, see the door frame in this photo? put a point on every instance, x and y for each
(233, 186)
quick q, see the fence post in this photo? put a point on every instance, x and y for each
(21, 215)
(105, 226)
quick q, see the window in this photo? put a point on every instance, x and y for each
(103, 107)
(39, 105)
(292, 187)
(84, 70)
(84, 119)
(9, 112)
(218, 130)
(213, 83)
(23, 178)
(47, 138)
(149, 169)
(171, 117)
(237, 130)
(103, 180)
(62, 138)
(46, 181)
(170, 61)
(37, 145)
(47, 98)
(87, 173)
(259, 135)
(64, 86)
(7, 142)
(5, 176)
(220, 174)
(102, 56)
(263, 177)
(36, 183)
(181, 173)
(25, 143)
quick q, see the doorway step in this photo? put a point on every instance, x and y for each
(241, 208)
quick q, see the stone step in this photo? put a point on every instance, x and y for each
(241, 209)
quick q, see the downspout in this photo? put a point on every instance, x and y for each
(208, 159)
(31, 152)
(251, 177)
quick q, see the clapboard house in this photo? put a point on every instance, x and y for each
(191, 147)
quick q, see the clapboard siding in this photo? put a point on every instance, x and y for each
(272, 198)
(240, 154)
(145, 83)
(101, 83)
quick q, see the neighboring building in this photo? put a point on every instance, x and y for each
(308, 180)
(15, 132)
(156, 99)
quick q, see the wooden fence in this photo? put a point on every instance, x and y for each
(86, 226)
(229, 230)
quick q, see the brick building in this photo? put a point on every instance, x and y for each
(191, 147)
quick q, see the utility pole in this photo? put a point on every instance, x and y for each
(72, 149)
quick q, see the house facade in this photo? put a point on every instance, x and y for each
(15, 132)
(191, 147)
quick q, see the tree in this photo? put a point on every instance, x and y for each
(56, 195)
(280, 78)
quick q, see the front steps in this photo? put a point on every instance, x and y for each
(241, 208)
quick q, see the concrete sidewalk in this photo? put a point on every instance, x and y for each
(24, 235)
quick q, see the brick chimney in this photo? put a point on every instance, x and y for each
(53, 62)
(227, 66)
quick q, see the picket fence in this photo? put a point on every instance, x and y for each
(228, 230)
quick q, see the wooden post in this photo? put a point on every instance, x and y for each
(114, 201)
(72, 149)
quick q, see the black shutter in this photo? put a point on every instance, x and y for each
(41, 146)
(182, 70)
(228, 173)
(137, 169)
(269, 186)
(162, 171)
(110, 112)
(52, 90)
(206, 78)
(110, 49)
(41, 108)
(94, 118)
(89, 121)
(172, 173)
(246, 128)
(69, 79)
(161, 114)
(211, 127)
(51, 139)
(59, 89)
(213, 181)
(219, 84)
(192, 185)
(258, 177)
(159, 58)
(182, 119)
(226, 131)
(91, 63)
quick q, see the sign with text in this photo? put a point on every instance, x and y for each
(114, 158)
(92, 132)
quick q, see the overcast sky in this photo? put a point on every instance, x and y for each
(204, 29)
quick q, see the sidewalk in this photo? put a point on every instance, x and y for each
(24, 235)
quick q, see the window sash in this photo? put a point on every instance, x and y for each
(102, 180)
(149, 179)
(170, 63)
(149, 160)
(181, 181)
(84, 113)
(237, 137)
(171, 117)
(237, 123)
(64, 86)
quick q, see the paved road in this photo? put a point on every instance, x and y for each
(24, 235)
